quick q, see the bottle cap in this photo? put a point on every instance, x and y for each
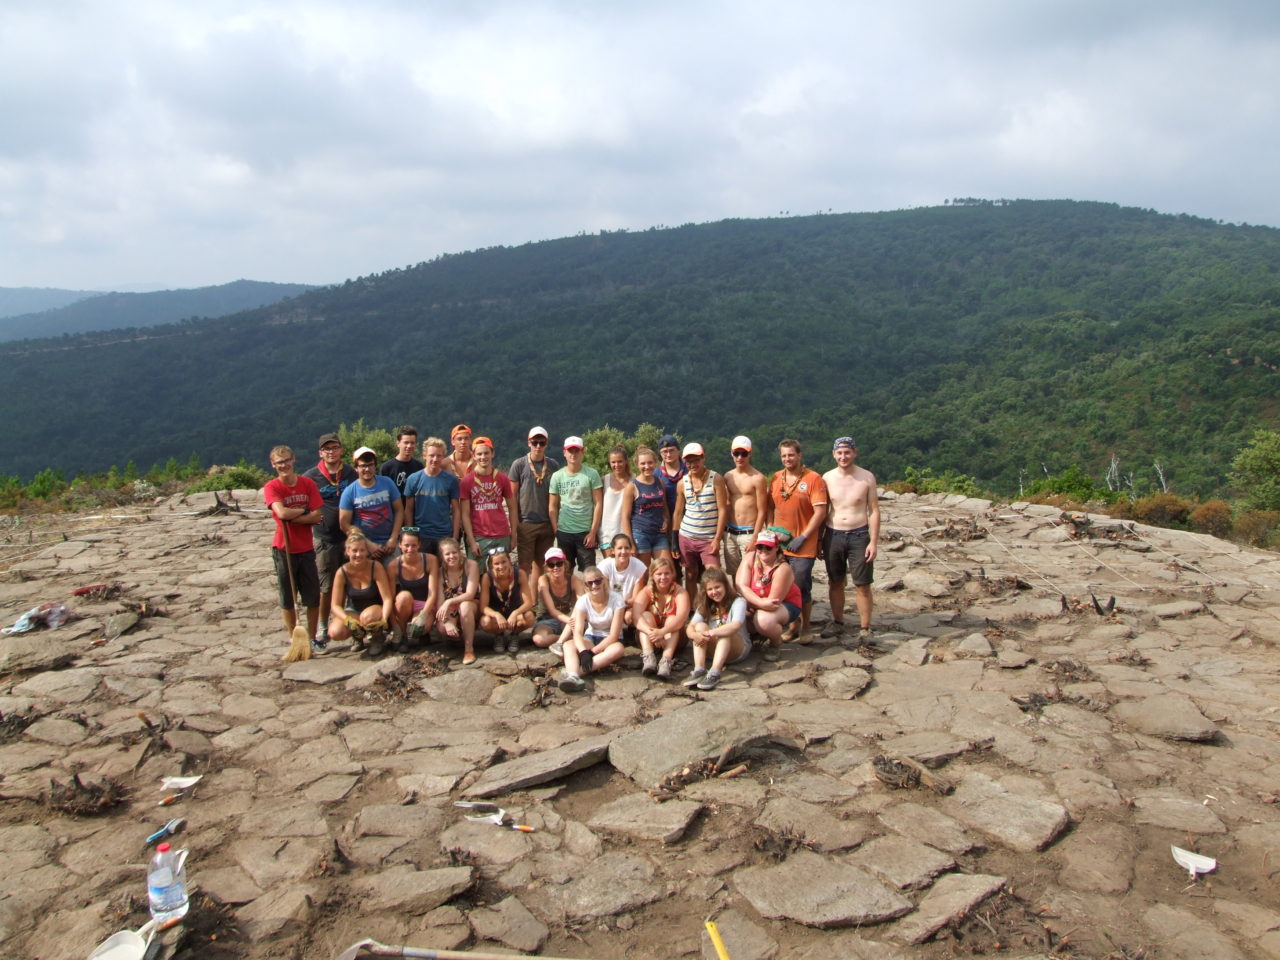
(163, 848)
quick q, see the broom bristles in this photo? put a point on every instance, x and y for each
(299, 645)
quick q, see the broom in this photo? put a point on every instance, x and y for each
(299, 641)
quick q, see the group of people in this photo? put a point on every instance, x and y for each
(451, 545)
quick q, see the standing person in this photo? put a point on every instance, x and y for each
(798, 502)
(530, 476)
(576, 501)
(372, 505)
(645, 517)
(719, 624)
(459, 586)
(295, 503)
(558, 589)
(597, 631)
(616, 482)
(766, 582)
(849, 541)
(460, 462)
(331, 476)
(361, 583)
(507, 601)
(415, 580)
(431, 499)
(660, 611)
(403, 465)
(671, 471)
(489, 513)
(748, 504)
(702, 509)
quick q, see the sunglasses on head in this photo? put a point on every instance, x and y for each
(408, 529)
(495, 551)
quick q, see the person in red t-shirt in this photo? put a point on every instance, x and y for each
(490, 516)
(294, 502)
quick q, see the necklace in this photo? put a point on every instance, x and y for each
(506, 597)
(488, 490)
(788, 491)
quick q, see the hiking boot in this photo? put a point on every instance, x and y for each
(832, 630)
(710, 681)
(377, 646)
(771, 654)
(664, 669)
(696, 677)
(648, 664)
(557, 648)
(864, 635)
(572, 683)
(499, 644)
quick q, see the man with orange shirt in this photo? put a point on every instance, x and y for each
(798, 501)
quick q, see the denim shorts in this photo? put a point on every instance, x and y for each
(648, 541)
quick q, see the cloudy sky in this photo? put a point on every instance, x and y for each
(156, 144)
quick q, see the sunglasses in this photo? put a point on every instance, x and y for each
(742, 453)
(555, 563)
(594, 583)
(408, 529)
(495, 551)
(537, 443)
(765, 546)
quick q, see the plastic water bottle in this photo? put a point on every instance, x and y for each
(167, 884)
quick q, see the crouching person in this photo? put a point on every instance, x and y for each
(365, 586)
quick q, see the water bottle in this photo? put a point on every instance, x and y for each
(167, 884)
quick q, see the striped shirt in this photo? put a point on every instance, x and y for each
(701, 512)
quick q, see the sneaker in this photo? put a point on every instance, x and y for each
(557, 648)
(710, 681)
(649, 664)
(696, 677)
(834, 629)
(664, 669)
(771, 654)
(864, 634)
(513, 645)
(572, 683)
(499, 644)
(317, 647)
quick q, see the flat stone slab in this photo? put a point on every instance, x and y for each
(640, 816)
(64, 733)
(928, 826)
(322, 670)
(510, 922)
(612, 883)
(819, 892)
(472, 687)
(1019, 821)
(811, 824)
(694, 733)
(1178, 608)
(741, 938)
(1172, 716)
(949, 901)
(929, 747)
(535, 768)
(1177, 812)
(844, 683)
(907, 864)
(406, 890)
(1184, 936)
(32, 653)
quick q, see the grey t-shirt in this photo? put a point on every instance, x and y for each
(533, 495)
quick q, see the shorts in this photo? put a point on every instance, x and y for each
(491, 543)
(793, 612)
(802, 569)
(552, 624)
(329, 557)
(533, 540)
(846, 551)
(698, 551)
(736, 542)
(305, 576)
(575, 549)
(648, 541)
(746, 651)
(418, 605)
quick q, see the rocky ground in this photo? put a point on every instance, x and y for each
(1001, 773)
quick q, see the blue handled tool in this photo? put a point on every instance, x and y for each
(170, 828)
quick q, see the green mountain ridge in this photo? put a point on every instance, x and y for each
(109, 311)
(995, 340)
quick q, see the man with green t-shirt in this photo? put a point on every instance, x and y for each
(577, 497)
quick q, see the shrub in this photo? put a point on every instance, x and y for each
(1256, 471)
(1257, 527)
(380, 441)
(1162, 510)
(1073, 483)
(243, 476)
(923, 481)
(1212, 517)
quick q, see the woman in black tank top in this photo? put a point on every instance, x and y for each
(558, 589)
(508, 602)
(366, 586)
(414, 578)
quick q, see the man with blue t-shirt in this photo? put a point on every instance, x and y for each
(373, 504)
(431, 498)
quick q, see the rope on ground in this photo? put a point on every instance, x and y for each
(1018, 560)
(1190, 565)
(1094, 556)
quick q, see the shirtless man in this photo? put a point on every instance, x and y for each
(460, 462)
(849, 541)
(748, 505)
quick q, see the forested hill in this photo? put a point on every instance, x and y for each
(990, 339)
(109, 311)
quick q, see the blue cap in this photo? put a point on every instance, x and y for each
(668, 440)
